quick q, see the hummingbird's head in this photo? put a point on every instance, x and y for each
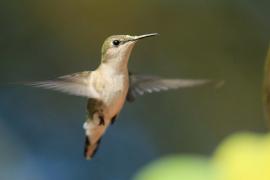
(117, 48)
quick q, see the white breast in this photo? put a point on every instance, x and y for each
(112, 87)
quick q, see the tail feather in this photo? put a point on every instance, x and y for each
(94, 131)
(90, 149)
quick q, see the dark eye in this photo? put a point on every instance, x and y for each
(116, 42)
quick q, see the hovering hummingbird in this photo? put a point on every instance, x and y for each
(109, 86)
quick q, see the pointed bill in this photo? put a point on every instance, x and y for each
(144, 36)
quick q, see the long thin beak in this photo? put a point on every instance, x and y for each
(135, 38)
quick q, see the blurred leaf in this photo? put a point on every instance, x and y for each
(243, 156)
(177, 167)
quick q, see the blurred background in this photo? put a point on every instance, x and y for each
(41, 131)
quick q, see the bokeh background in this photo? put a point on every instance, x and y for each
(41, 135)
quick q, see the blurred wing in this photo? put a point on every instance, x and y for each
(139, 85)
(75, 84)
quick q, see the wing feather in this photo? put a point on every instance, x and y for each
(140, 85)
(75, 84)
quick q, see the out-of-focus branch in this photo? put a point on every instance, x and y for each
(266, 88)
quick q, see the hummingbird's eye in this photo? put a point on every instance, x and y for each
(116, 42)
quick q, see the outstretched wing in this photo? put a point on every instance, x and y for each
(75, 84)
(139, 85)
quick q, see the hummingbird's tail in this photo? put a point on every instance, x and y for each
(94, 130)
(90, 149)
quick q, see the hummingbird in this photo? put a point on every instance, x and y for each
(110, 85)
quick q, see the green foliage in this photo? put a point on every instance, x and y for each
(243, 156)
(184, 167)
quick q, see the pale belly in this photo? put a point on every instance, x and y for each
(114, 95)
(115, 102)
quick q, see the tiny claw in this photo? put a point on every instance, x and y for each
(101, 120)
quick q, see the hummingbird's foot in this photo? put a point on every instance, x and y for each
(101, 120)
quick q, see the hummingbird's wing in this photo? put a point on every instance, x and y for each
(75, 84)
(140, 85)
